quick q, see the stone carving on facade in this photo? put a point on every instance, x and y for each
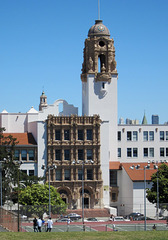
(90, 65)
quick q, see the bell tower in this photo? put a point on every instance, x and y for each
(43, 101)
(99, 92)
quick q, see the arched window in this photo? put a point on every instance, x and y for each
(101, 61)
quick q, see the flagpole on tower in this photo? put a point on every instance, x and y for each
(98, 9)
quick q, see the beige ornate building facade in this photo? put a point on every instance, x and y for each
(73, 145)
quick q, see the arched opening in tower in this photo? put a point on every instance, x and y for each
(101, 62)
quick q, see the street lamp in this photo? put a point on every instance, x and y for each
(137, 167)
(18, 163)
(50, 167)
(82, 162)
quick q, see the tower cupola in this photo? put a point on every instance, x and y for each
(43, 101)
(99, 54)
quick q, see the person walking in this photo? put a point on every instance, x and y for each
(35, 225)
(39, 222)
(49, 225)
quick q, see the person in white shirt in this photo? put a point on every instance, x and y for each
(39, 222)
(49, 225)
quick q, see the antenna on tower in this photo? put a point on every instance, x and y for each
(98, 9)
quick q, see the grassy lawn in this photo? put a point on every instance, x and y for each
(151, 235)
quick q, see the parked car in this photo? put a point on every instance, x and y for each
(63, 220)
(91, 219)
(134, 215)
(73, 216)
(118, 218)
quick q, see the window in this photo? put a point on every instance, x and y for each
(80, 174)
(145, 152)
(67, 154)
(113, 196)
(113, 178)
(145, 135)
(16, 155)
(119, 152)
(161, 152)
(135, 136)
(135, 152)
(80, 154)
(24, 171)
(89, 174)
(80, 134)
(89, 154)
(66, 135)
(162, 135)
(31, 155)
(58, 175)
(151, 152)
(57, 154)
(31, 172)
(89, 134)
(166, 152)
(24, 155)
(119, 135)
(129, 138)
(57, 135)
(151, 135)
(166, 135)
(67, 174)
(129, 152)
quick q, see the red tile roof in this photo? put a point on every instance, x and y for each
(138, 174)
(114, 165)
(23, 138)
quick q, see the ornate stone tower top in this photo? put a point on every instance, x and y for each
(99, 54)
(43, 101)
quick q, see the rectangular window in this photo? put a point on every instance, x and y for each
(166, 135)
(79, 174)
(129, 152)
(57, 135)
(89, 154)
(119, 152)
(113, 196)
(113, 178)
(135, 152)
(135, 136)
(16, 155)
(119, 135)
(89, 134)
(162, 135)
(145, 152)
(161, 152)
(129, 138)
(67, 174)
(31, 155)
(166, 152)
(151, 152)
(24, 155)
(67, 154)
(58, 175)
(145, 136)
(80, 154)
(66, 135)
(89, 174)
(80, 134)
(151, 135)
(57, 154)
(24, 171)
(31, 172)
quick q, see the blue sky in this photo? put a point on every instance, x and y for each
(41, 47)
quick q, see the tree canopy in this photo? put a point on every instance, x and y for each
(35, 199)
(163, 187)
(8, 168)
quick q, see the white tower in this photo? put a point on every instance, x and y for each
(99, 92)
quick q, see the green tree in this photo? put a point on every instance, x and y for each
(163, 187)
(35, 199)
(8, 168)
